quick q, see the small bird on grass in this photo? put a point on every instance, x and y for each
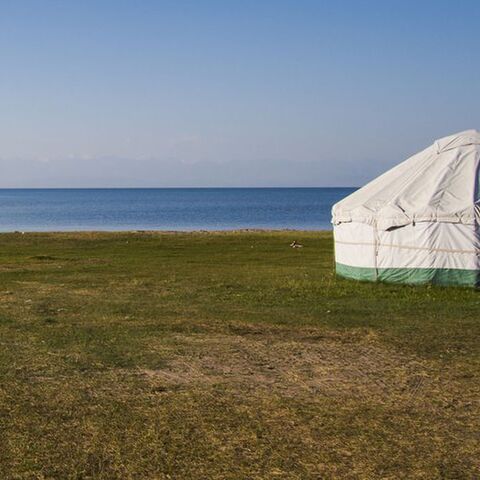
(295, 244)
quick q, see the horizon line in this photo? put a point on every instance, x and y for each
(173, 188)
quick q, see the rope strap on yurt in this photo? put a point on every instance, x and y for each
(376, 243)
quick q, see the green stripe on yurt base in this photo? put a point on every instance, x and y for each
(415, 276)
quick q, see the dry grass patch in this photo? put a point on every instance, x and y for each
(330, 365)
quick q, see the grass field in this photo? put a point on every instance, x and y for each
(228, 356)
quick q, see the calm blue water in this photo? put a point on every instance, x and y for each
(167, 209)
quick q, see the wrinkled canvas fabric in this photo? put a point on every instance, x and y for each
(437, 184)
(421, 216)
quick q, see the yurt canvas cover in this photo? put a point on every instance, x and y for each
(418, 222)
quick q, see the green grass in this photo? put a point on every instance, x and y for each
(228, 356)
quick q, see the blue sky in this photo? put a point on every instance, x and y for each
(229, 93)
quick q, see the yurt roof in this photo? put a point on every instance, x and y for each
(438, 184)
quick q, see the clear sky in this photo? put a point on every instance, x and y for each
(229, 92)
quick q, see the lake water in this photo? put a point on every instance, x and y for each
(167, 208)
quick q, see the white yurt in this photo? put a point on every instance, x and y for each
(418, 222)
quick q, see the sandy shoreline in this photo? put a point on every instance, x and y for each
(161, 232)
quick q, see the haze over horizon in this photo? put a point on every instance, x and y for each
(203, 94)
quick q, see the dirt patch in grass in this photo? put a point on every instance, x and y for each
(327, 366)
